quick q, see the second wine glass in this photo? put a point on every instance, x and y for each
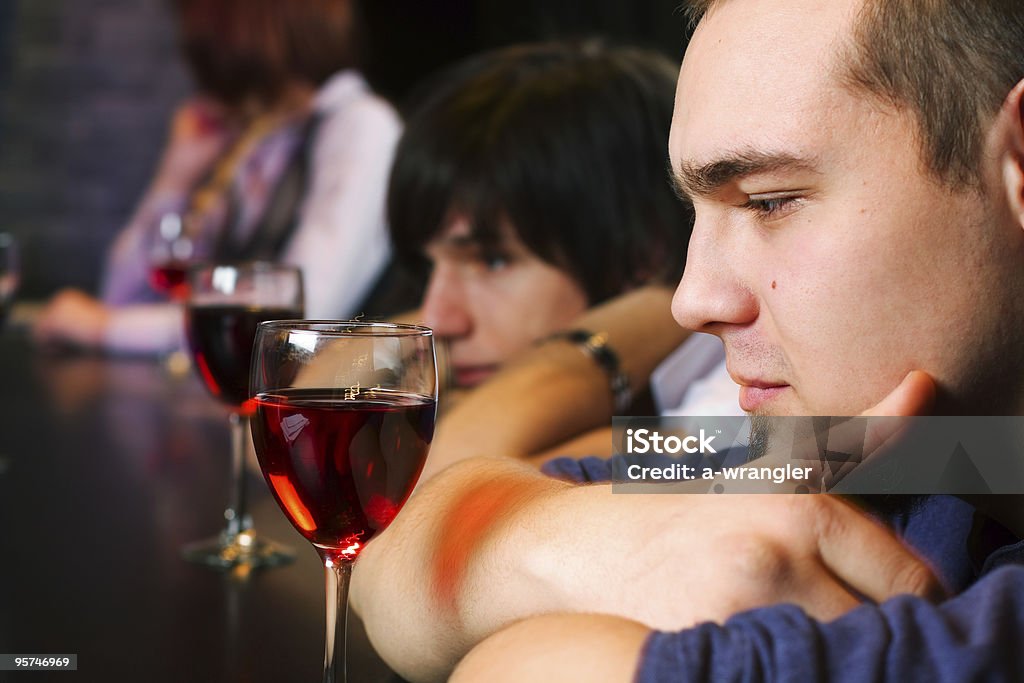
(225, 305)
(172, 248)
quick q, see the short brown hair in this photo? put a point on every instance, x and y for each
(250, 49)
(949, 62)
(564, 143)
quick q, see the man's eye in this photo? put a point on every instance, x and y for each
(771, 207)
(494, 262)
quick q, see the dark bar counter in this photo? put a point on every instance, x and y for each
(107, 467)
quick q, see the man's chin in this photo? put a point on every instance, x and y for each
(775, 400)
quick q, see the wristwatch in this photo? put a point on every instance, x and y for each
(595, 345)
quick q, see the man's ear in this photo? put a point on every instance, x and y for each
(1011, 119)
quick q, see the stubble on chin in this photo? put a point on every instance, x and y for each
(760, 436)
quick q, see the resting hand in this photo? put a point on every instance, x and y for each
(858, 440)
(805, 550)
(72, 317)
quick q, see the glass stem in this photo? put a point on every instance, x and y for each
(337, 574)
(236, 513)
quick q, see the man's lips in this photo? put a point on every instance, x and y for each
(471, 375)
(754, 394)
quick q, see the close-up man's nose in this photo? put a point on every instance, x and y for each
(444, 304)
(712, 292)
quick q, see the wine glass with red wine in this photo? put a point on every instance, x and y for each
(344, 419)
(10, 274)
(173, 247)
(225, 305)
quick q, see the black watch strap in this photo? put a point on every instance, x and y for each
(595, 345)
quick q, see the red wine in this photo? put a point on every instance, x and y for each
(220, 338)
(169, 278)
(341, 470)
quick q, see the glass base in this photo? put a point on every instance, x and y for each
(177, 364)
(243, 549)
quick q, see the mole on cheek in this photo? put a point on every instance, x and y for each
(773, 284)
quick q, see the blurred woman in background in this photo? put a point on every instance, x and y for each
(282, 154)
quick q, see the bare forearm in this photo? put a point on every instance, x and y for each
(553, 395)
(412, 585)
(490, 542)
(554, 392)
(569, 647)
(487, 543)
(640, 328)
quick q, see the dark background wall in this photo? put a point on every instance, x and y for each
(409, 38)
(87, 88)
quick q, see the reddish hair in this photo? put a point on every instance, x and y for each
(240, 50)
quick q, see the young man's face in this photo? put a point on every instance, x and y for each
(824, 255)
(491, 304)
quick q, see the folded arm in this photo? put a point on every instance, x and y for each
(554, 392)
(489, 542)
(975, 636)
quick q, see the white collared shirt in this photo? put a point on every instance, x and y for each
(341, 242)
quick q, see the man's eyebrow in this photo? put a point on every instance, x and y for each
(455, 244)
(459, 241)
(701, 180)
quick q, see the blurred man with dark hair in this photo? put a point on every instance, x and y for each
(532, 179)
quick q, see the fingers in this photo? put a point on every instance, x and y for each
(868, 558)
(823, 596)
(72, 316)
(915, 395)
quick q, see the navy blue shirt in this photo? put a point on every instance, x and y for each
(977, 635)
